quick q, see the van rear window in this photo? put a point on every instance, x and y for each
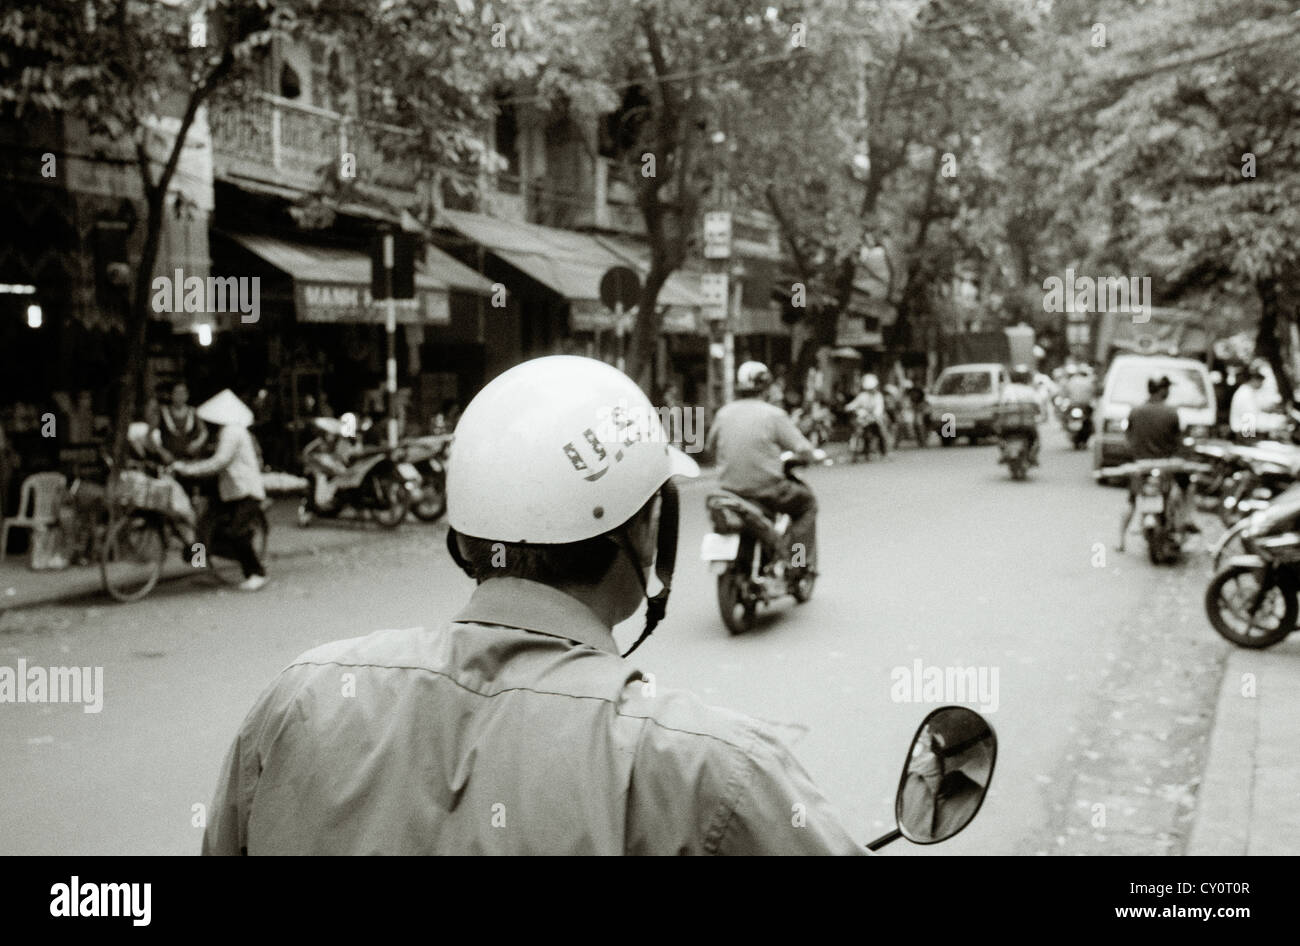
(1129, 386)
(965, 382)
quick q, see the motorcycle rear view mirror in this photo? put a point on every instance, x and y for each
(946, 775)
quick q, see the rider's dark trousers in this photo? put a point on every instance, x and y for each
(797, 501)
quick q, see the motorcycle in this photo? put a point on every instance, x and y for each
(814, 423)
(865, 430)
(427, 477)
(366, 479)
(742, 552)
(1014, 441)
(946, 776)
(1078, 424)
(1252, 600)
(1160, 503)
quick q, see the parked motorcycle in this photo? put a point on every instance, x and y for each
(742, 552)
(1078, 424)
(345, 474)
(427, 477)
(1161, 504)
(1252, 600)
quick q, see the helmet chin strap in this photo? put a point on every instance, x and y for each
(665, 561)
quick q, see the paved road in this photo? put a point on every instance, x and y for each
(933, 556)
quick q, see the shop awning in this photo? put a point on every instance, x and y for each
(572, 264)
(331, 284)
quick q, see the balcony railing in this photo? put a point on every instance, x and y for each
(283, 142)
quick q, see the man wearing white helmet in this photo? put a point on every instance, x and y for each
(748, 437)
(869, 408)
(517, 728)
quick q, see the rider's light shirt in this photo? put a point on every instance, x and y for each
(516, 729)
(749, 436)
(1015, 394)
(1251, 412)
(867, 405)
(238, 469)
(1080, 390)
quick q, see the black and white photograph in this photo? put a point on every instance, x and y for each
(651, 427)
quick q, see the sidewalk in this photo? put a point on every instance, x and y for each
(20, 587)
(1249, 800)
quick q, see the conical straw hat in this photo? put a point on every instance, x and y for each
(225, 409)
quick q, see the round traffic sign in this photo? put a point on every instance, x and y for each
(620, 286)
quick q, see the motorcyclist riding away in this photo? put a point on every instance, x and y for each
(748, 437)
(1020, 393)
(517, 728)
(1154, 433)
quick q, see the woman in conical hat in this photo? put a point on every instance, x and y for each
(239, 474)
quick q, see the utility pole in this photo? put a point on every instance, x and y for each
(390, 307)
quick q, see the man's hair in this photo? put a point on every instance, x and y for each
(572, 563)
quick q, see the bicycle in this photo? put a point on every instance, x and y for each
(147, 516)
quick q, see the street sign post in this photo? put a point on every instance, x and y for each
(392, 277)
(620, 289)
(717, 234)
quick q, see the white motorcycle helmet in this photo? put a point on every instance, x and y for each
(558, 450)
(753, 376)
(870, 382)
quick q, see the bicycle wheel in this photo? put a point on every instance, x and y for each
(131, 560)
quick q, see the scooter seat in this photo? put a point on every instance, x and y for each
(732, 512)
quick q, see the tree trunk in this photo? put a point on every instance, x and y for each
(1267, 340)
(137, 329)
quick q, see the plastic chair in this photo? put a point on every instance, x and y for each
(38, 506)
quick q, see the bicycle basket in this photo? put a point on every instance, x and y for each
(138, 490)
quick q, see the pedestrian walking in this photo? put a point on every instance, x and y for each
(239, 480)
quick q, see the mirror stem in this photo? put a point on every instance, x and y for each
(884, 839)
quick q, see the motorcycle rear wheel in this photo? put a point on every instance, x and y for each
(393, 502)
(803, 588)
(1161, 548)
(1219, 609)
(432, 504)
(738, 607)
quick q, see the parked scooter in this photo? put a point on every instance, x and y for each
(345, 474)
(427, 477)
(1252, 600)
(742, 552)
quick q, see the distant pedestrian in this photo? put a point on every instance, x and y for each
(182, 433)
(239, 474)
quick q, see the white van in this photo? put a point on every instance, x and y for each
(1191, 392)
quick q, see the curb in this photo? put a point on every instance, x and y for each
(1224, 801)
(1249, 800)
(86, 589)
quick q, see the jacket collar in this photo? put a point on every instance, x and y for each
(533, 606)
